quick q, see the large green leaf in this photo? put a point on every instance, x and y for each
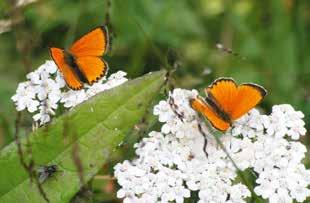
(97, 127)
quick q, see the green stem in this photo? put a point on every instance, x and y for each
(239, 172)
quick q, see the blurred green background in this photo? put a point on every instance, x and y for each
(270, 37)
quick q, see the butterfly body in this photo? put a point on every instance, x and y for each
(82, 62)
(70, 60)
(217, 109)
(226, 101)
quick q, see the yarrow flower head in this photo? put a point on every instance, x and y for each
(45, 90)
(284, 120)
(171, 164)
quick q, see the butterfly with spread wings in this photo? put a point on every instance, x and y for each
(226, 101)
(82, 62)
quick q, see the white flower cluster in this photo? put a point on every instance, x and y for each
(5, 25)
(273, 154)
(45, 90)
(24, 2)
(171, 164)
(283, 121)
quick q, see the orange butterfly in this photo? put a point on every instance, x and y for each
(226, 101)
(82, 62)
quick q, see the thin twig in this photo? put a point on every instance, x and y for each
(108, 23)
(18, 144)
(171, 101)
(104, 177)
(28, 167)
(24, 43)
(174, 108)
(220, 47)
(205, 139)
(78, 163)
(107, 14)
(33, 173)
(156, 50)
(71, 33)
(40, 188)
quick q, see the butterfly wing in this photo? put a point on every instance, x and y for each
(70, 77)
(92, 67)
(234, 100)
(94, 43)
(249, 95)
(223, 92)
(216, 121)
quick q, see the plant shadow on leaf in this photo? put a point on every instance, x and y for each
(97, 127)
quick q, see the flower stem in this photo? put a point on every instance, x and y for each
(217, 136)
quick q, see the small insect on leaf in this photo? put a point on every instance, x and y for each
(45, 172)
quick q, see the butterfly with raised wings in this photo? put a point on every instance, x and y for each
(226, 101)
(82, 62)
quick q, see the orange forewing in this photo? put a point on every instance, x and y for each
(249, 95)
(200, 106)
(70, 77)
(235, 100)
(94, 43)
(92, 67)
(224, 91)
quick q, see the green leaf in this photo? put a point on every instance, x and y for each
(95, 128)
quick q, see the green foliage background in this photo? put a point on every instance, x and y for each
(271, 36)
